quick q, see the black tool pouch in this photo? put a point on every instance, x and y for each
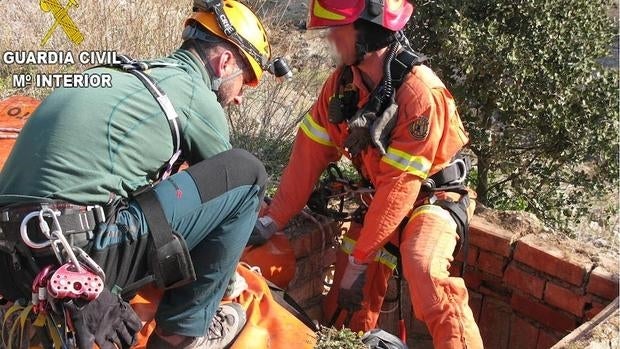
(171, 263)
(169, 257)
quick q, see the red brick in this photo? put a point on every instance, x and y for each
(493, 286)
(494, 323)
(524, 281)
(542, 255)
(309, 239)
(473, 278)
(472, 255)
(301, 293)
(313, 267)
(302, 245)
(307, 268)
(522, 334)
(546, 340)
(603, 283)
(313, 307)
(593, 309)
(564, 299)
(543, 314)
(490, 262)
(490, 237)
(475, 304)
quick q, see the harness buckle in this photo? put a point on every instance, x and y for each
(460, 163)
(98, 212)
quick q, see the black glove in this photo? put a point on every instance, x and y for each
(107, 321)
(350, 294)
(264, 228)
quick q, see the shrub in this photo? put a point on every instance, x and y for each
(541, 111)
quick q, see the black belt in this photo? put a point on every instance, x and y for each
(77, 222)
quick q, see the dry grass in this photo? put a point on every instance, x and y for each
(139, 28)
(265, 124)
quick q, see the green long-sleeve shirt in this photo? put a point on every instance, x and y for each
(91, 145)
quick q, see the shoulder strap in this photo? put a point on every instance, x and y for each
(138, 68)
(402, 64)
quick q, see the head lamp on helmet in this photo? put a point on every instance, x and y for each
(234, 22)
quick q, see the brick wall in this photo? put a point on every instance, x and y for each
(525, 292)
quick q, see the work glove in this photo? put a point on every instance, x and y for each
(107, 321)
(381, 129)
(263, 229)
(351, 294)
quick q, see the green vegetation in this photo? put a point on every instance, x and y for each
(331, 338)
(541, 111)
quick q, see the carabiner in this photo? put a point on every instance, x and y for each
(57, 232)
(23, 229)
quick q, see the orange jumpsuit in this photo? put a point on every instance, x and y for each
(428, 134)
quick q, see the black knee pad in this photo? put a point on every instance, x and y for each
(227, 170)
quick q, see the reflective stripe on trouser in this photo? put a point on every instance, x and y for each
(439, 300)
(377, 277)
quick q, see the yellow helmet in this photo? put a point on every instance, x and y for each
(239, 26)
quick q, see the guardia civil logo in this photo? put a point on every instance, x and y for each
(62, 19)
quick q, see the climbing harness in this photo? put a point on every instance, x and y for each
(138, 69)
(77, 277)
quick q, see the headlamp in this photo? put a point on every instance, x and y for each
(280, 69)
(277, 67)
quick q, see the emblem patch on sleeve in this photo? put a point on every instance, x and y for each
(419, 128)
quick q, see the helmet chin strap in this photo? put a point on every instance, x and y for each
(216, 81)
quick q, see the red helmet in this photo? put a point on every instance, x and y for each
(391, 14)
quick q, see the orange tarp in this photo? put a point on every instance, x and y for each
(14, 112)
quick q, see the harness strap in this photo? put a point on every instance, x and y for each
(345, 106)
(138, 68)
(450, 177)
(16, 307)
(458, 211)
(402, 64)
(170, 260)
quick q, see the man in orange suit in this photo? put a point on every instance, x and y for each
(397, 122)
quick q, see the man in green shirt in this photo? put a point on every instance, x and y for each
(98, 146)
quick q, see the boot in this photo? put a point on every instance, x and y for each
(228, 321)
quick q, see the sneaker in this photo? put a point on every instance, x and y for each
(228, 321)
(236, 285)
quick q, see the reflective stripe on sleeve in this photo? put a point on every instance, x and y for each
(315, 131)
(382, 256)
(416, 165)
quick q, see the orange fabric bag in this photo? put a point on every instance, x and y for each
(275, 258)
(268, 325)
(14, 112)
